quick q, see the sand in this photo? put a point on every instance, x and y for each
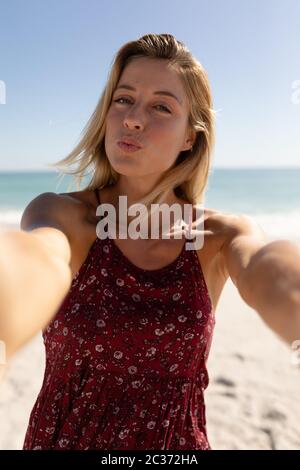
(252, 401)
(253, 397)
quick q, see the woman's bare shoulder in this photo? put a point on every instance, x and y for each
(79, 208)
(217, 224)
(231, 225)
(47, 208)
(220, 228)
(81, 201)
(216, 229)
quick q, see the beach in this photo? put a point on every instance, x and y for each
(97, 113)
(252, 400)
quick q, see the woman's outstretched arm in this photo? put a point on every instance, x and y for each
(35, 273)
(267, 275)
(34, 278)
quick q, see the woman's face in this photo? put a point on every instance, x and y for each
(157, 121)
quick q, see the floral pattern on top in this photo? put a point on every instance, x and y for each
(126, 358)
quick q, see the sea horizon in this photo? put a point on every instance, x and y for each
(271, 194)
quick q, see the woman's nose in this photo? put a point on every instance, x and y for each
(134, 117)
(133, 121)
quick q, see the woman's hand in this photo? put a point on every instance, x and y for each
(34, 279)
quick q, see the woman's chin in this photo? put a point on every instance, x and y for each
(126, 167)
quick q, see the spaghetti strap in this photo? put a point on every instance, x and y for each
(96, 191)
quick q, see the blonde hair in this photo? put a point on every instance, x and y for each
(189, 174)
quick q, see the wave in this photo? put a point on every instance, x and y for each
(10, 218)
(280, 224)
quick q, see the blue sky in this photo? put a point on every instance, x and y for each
(55, 57)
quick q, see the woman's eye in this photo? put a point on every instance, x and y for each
(160, 105)
(164, 107)
(124, 99)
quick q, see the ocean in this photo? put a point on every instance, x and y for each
(271, 196)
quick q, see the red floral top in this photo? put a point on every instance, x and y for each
(126, 358)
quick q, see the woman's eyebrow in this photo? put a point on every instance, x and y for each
(160, 92)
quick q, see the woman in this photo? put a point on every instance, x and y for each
(126, 351)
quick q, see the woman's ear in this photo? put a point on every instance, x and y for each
(190, 140)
